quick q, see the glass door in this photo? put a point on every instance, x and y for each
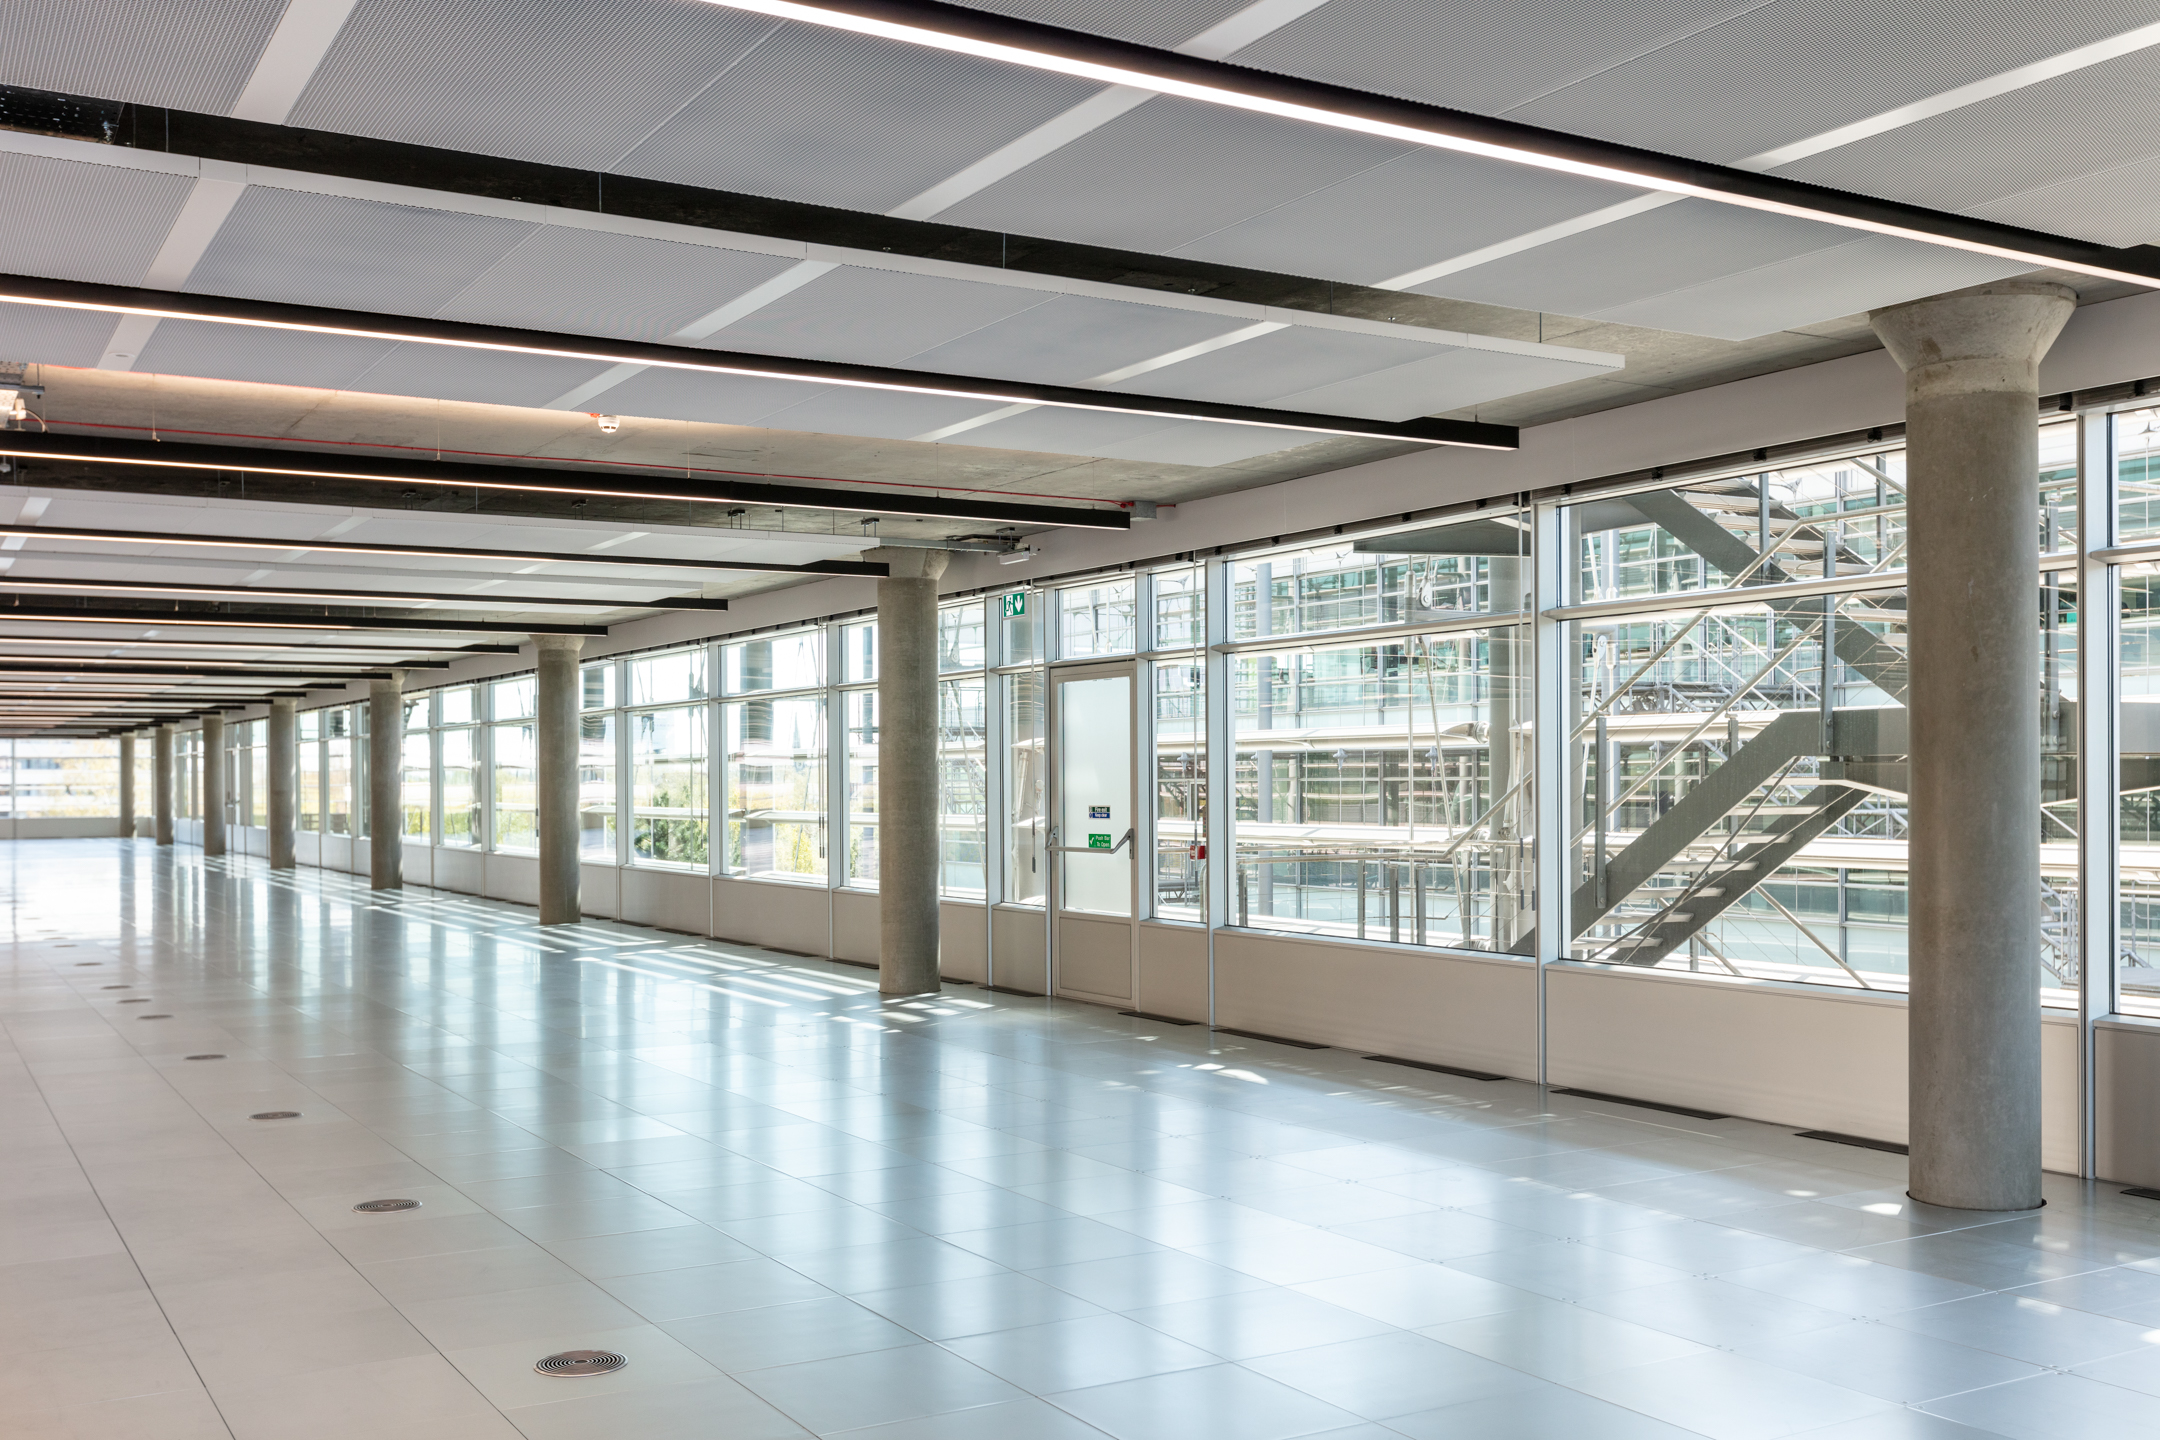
(1093, 833)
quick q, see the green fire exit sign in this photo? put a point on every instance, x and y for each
(1015, 604)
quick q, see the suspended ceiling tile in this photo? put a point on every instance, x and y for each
(1168, 173)
(1861, 274)
(1484, 57)
(1976, 158)
(84, 222)
(588, 282)
(1783, 72)
(710, 399)
(1195, 442)
(873, 317)
(1062, 432)
(1149, 22)
(1073, 338)
(836, 119)
(1401, 216)
(352, 254)
(1644, 255)
(436, 372)
(574, 82)
(1259, 370)
(876, 414)
(195, 56)
(1443, 381)
(270, 357)
(46, 336)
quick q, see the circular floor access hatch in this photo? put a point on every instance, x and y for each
(582, 1362)
(385, 1207)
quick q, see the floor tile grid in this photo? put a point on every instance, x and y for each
(1231, 1172)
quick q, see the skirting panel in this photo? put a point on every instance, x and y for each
(961, 941)
(668, 899)
(1419, 1004)
(795, 918)
(855, 926)
(1023, 961)
(1173, 972)
(598, 895)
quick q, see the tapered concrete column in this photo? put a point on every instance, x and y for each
(907, 770)
(127, 786)
(283, 762)
(213, 785)
(386, 783)
(1971, 362)
(555, 778)
(161, 783)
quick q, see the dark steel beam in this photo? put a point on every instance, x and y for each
(224, 617)
(611, 559)
(408, 330)
(475, 601)
(1033, 44)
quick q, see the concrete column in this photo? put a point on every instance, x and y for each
(386, 783)
(907, 776)
(1971, 362)
(127, 786)
(213, 785)
(161, 783)
(555, 778)
(283, 765)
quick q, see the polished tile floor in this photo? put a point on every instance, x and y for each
(801, 1211)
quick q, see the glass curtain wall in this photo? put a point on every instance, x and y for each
(597, 763)
(416, 763)
(56, 776)
(511, 776)
(1739, 764)
(458, 747)
(670, 819)
(308, 799)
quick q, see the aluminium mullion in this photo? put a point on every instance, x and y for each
(2099, 772)
(1219, 748)
(1551, 739)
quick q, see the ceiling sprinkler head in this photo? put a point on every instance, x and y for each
(609, 424)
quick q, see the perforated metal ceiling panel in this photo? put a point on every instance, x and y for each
(1845, 279)
(1645, 255)
(1448, 380)
(52, 337)
(875, 414)
(271, 357)
(878, 317)
(1166, 23)
(592, 283)
(1398, 217)
(352, 254)
(1194, 443)
(1483, 55)
(573, 82)
(84, 222)
(432, 372)
(1811, 66)
(718, 399)
(1166, 174)
(1980, 157)
(193, 56)
(1073, 338)
(1074, 432)
(839, 119)
(1283, 363)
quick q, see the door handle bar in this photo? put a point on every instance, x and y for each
(1123, 841)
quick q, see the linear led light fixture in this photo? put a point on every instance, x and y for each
(1036, 46)
(503, 340)
(276, 666)
(290, 619)
(334, 647)
(440, 552)
(477, 600)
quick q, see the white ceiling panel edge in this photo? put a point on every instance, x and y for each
(92, 153)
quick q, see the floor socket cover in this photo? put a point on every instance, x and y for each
(384, 1207)
(582, 1362)
(206, 1057)
(276, 1115)
(153, 1017)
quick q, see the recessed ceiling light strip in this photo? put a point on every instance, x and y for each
(1030, 44)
